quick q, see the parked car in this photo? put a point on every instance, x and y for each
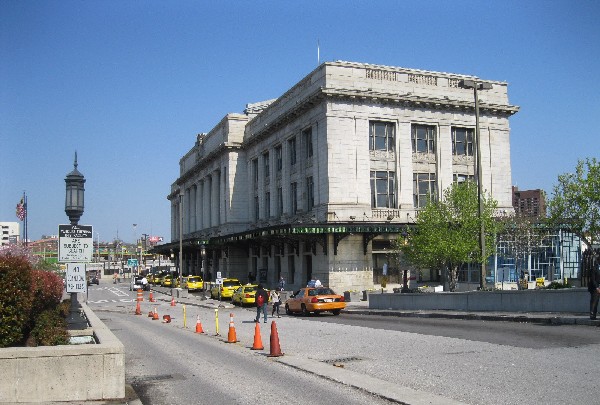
(167, 281)
(193, 283)
(315, 299)
(92, 279)
(226, 289)
(244, 295)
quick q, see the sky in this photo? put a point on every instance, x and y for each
(128, 85)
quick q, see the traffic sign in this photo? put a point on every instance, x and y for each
(75, 243)
(76, 280)
(132, 262)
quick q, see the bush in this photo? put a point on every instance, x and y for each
(15, 299)
(47, 289)
(556, 286)
(50, 329)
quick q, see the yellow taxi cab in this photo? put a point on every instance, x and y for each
(244, 295)
(315, 299)
(193, 283)
(226, 289)
(167, 281)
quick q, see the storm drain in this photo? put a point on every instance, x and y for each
(341, 361)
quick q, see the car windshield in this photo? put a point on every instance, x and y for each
(194, 279)
(320, 291)
(249, 289)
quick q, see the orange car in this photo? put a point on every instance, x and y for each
(315, 299)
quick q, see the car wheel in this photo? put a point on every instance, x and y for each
(305, 311)
(336, 311)
(287, 309)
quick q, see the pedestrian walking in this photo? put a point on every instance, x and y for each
(594, 289)
(281, 283)
(276, 301)
(261, 299)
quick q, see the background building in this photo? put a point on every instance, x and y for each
(317, 183)
(9, 233)
(531, 203)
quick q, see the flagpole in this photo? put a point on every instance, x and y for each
(25, 219)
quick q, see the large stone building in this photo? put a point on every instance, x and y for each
(316, 183)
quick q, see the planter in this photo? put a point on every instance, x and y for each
(351, 296)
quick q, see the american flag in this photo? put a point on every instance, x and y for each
(21, 209)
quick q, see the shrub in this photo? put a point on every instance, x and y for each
(50, 329)
(556, 286)
(15, 299)
(47, 289)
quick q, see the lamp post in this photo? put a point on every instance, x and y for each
(74, 205)
(476, 86)
(202, 268)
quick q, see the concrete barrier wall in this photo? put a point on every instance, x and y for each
(564, 300)
(65, 373)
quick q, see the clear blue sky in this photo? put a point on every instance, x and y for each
(129, 84)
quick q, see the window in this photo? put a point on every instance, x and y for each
(424, 187)
(308, 143)
(255, 171)
(462, 141)
(310, 193)
(381, 136)
(292, 149)
(382, 189)
(256, 209)
(293, 198)
(266, 163)
(267, 205)
(460, 177)
(279, 201)
(278, 159)
(423, 138)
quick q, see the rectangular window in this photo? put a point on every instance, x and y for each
(462, 141)
(256, 209)
(293, 198)
(383, 189)
(310, 193)
(278, 158)
(424, 187)
(292, 149)
(381, 135)
(279, 201)
(308, 142)
(460, 177)
(267, 205)
(423, 138)
(266, 163)
(255, 171)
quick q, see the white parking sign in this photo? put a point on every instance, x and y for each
(76, 282)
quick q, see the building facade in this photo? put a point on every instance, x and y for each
(530, 203)
(9, 233)
(316, 183)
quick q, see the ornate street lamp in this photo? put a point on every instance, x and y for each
(74, 195)
(202, 267)
(476, 86)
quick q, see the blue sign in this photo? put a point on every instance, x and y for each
(132, 262)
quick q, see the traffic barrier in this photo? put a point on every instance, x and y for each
(275, 347)
(199, 325)
(231, 336)
(166, 319)
(151, 298)
(173, 301)
(155, 315)
(257, 345)
(140, 295)
(138, 310)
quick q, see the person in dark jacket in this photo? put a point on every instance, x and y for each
(261, 299)
(594, 289)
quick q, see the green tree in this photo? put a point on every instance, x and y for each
(575, 201)
(446, 233)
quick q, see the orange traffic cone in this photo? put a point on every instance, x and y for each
(275, 348)
(166, 318)
(231, 337)
(258, 345)
(151, 298)
(155, 315)
(140, 295)
(173, 301)
(151, 314)
(198, 325)
(138, 310)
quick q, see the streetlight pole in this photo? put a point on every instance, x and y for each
(180, 237)
(472, 84)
